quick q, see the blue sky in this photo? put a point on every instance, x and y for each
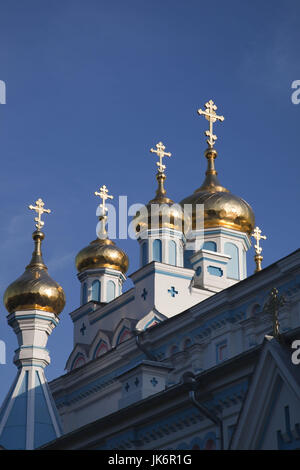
(92, 85)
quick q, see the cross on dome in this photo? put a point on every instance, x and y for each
(39, 208)
(211, 116)
(160, 152)
(103, 194)
(257, 235)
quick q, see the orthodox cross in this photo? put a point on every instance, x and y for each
(160, 152)
(258, 249)
(39, 208)
(272, 307)
(103, 194)
(211, 116)
(257, 235)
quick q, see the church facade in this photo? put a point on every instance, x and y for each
(196, 355)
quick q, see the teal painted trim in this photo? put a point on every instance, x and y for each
(98, 344)
(151, 321)
(78, 355)
(35, 347)
(33, 315)
(117, 307)
(29, 364)
(214, 271)
(166, 273)
(181, 276)
(209, 259)
(125, 328)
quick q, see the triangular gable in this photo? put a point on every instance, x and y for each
(271, 410)
(151, 319)
(78, 357)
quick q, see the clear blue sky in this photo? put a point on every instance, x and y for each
(92, 85)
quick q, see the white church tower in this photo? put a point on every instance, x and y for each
(28, 417)
(101, 265)
(159, 224)
(220, 235)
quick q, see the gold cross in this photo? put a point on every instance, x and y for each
(272, 307)
(39, 208)
(257, 235)
(160, 152)
(211, 116)
(103, 194)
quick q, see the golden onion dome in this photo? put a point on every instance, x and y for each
(160, 212)
(35, 289)
(221, 207)
(102, 253)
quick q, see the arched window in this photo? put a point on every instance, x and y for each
(233, 265)
(111, 291)
(157, 251)
(212, 246)
(84, 294)
(144, 253)
(172, 252)
(96, 291)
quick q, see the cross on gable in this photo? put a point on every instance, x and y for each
(154, 381)
(144, 294)
(82, 329)
(173, 291)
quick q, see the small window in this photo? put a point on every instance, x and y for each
(172, 253)
(233, 265)
(96, 291)
(211, 246)
(157, 250)
(144, 253)
(84, 294)
(111, 291)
